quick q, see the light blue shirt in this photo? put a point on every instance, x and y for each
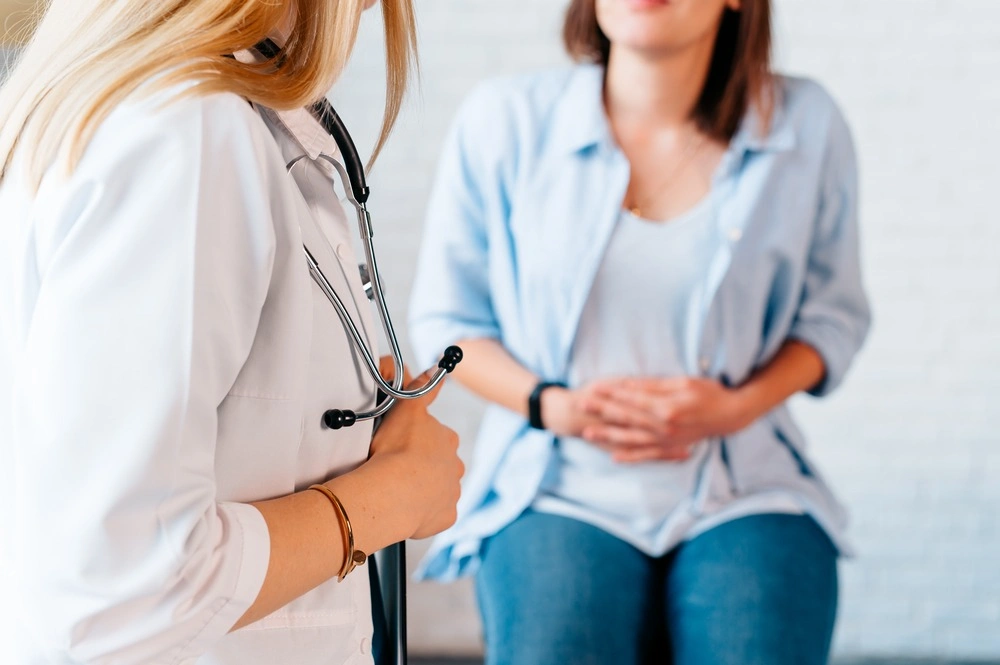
(528, 193)
(634, 324)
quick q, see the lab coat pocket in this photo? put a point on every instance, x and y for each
(332, 606)
(333, 619)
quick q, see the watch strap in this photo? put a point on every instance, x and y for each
(535, 402)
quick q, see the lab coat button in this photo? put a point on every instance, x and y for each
(366, 646)
(342, 251)
(735, 235)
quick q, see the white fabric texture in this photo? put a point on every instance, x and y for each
(165, 359)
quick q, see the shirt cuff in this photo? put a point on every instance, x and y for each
(829, 347)
(248, 538)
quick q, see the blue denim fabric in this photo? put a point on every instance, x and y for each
(760, 590)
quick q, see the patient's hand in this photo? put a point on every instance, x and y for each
(648, 419)
(563, 411)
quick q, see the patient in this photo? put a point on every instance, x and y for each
(645, 256)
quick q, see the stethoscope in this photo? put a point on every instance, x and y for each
(357, 194)
(356, 191)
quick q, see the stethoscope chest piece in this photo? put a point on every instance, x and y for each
(339, 419)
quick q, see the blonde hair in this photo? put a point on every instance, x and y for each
(87, 56)
(17, 19)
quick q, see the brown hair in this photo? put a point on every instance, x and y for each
(739, 76)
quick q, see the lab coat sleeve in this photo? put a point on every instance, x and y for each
(833, 315)
(451, 298)
(153, 267)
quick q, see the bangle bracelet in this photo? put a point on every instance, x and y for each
(535, 402)
(352, 557)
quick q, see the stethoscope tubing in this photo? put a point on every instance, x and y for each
(352, 175)
(394, 390)
(391, 390)
(356, 192)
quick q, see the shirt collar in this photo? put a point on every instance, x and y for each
(580, 121)
(299, 124)
(780, 136)
(307, 132)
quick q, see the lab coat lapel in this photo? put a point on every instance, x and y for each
(334, 253)
(329, 248)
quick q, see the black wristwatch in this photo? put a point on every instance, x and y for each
(535, 402)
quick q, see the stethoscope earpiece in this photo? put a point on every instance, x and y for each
(452, 356)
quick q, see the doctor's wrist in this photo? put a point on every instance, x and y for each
(375, 517)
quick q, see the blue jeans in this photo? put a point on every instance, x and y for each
(761, 590)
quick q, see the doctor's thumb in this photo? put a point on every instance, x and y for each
(387, 369)
(423, 380)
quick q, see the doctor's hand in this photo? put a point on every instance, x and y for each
(420, 458)
(651, 419)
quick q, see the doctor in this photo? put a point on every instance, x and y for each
(165, 359)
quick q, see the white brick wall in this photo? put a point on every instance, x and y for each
(912, 442)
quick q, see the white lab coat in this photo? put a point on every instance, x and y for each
(165, 358)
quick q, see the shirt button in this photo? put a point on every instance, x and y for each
(366, 646)
(704, 363)
(735, 235)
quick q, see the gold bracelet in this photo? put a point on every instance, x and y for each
(352, 557)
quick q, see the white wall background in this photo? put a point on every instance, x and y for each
(912, 442)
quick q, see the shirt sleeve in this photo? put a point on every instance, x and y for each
(451, 298)
(154, 261)
(834, 315)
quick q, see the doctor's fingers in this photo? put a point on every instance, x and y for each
(409, 428)
(423, 380)
(387, 369)
(415, 384)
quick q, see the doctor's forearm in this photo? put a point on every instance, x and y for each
(491, 372)
(307, 548)
(795, 368)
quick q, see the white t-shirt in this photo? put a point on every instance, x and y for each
(635, 323)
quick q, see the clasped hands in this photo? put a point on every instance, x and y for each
(647, 419)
